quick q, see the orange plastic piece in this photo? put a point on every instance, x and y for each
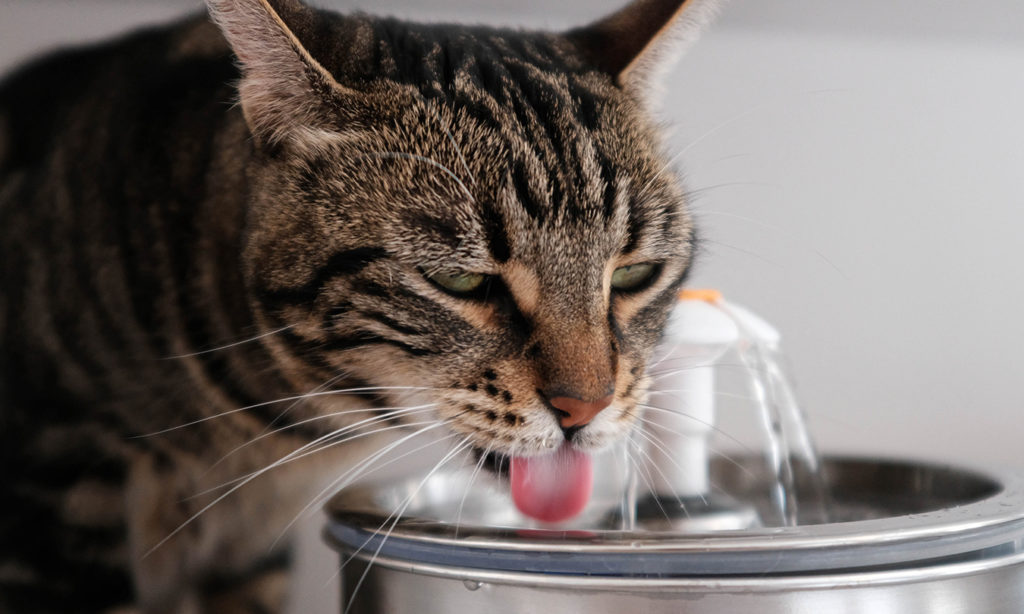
(700, 294)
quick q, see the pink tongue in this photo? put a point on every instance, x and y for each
(554, 487)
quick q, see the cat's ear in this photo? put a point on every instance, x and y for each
(286, 95)
(641, 41)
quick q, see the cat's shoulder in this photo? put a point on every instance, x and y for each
(190, 40)
(141, 74)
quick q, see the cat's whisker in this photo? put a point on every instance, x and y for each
(658, 372)
(367, 467)
(660, 443)
(306, 452)
(781, 100)
(388, 414)
(401, 155)
(319, 388)
(460, 446)
(402, 506)
(646, 464)
(661, 373)
(230, 345)
(667, 166)
(326, 441)
(745, 252)
(669, 361)
(788, 236)
(359, 470)
(432, 424)
(281, 400)
(268, 426)
(451, 139)
(728, 122)
(745, 218)
(724, 394)
(469, 486)
(196, 515)
(639, 466)
(287, 458)
(713, 450)
(397, 515)
(642, 470)
(693, 193)
(344, 435)
(683, 414)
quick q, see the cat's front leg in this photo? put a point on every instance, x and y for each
(262, 590)
(190, 559)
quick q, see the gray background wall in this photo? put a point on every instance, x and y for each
(859, 170)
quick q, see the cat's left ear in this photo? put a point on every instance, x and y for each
(287, 97)
(641, 41)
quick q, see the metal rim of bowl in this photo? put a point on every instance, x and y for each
(835, 579)
(988, 529)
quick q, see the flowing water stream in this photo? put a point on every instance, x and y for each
(787, 439)
(789, 454)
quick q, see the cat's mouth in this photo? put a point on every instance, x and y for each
(551, 488)
(494, 462)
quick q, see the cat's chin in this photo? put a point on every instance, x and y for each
(496, 463)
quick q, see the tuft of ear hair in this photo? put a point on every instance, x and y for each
(287, 97)
(639, 43)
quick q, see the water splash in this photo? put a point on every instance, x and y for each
(704, 334)
(630, 488)
(788, 444)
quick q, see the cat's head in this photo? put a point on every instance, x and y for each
(485, 217)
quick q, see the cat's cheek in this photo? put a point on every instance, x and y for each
(533, 433)
(609, 427)
(540, 434)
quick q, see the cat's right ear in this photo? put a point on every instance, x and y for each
(287, 97)
(638, 43)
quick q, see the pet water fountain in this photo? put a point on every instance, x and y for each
(678, 529)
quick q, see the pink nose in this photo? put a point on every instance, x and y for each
(579, 412)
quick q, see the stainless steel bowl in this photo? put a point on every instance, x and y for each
(889, 537)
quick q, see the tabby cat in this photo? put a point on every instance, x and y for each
(223, 241)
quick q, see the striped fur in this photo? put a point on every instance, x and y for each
(168, 257)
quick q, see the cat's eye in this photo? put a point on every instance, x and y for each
(634, 277)
(462, 283)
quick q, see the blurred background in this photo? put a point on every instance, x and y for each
(858, 173)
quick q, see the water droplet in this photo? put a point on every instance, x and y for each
(471, 584)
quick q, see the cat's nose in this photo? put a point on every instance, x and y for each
(577, 412)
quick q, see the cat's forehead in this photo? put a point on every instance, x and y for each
(362, 47)
(521, 176)
(502, 77)
(507, 145)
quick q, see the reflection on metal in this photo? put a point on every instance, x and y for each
(901, 537)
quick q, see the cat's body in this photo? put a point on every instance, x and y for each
(331, 218)
(141, 234)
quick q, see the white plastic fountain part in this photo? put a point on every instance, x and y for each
(699, 331)
(753, 328)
